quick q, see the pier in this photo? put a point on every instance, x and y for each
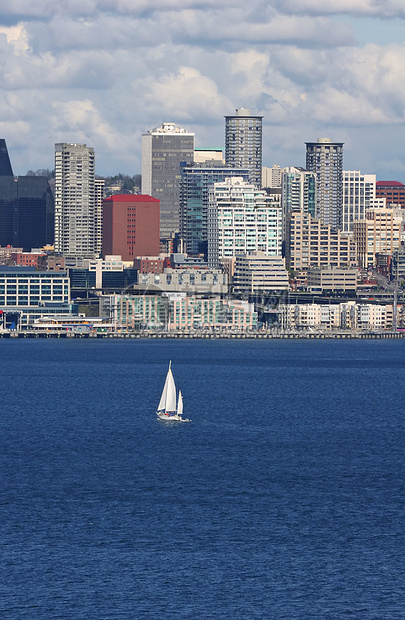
(335, 335)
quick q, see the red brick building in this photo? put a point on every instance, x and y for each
(131, 225)
(393, 191)
(26, 259)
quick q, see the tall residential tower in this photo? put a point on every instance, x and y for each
(243, 143)
(75, 216)
(325, 158)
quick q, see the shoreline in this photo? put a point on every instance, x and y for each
(334, 335)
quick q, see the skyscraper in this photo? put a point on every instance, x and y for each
(26, 207)
(326, 159)
(5, 164)
(131, 226)
(242, 219)
(164, 149)
(358, 196)
(75, 217)
(196, 181)
(243, 143)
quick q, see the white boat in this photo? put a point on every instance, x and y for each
(167, 409)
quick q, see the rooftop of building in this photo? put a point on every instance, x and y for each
(131, 198)
(389, 184)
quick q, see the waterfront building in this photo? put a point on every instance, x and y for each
(378, 233)
(26, 293)
(164, 149)
(242, 219)
(257, 272)
(325, 158)
(75, 207)
(243, 143)
(131, 226)
(178, 312)
(310, 243)
(348, 315)
(392, 191)
(196, 181)
(359, 193)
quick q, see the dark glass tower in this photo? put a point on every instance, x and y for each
(5, 165)
(26, 207)
(196, 181)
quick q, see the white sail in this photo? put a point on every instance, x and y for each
(171, 392)
(180, 404)
(168, 399)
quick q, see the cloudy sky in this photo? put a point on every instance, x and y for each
(104, 71)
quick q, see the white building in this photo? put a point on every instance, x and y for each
(163, 150)
(242, 219)
(75, 207)
(358, 196)
(271, 177)
(257, 272)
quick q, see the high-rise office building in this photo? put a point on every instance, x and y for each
(130, 226)
(310, 243)
(243, 143)
(164, 149)
(26, 207)
(196, 181)
(5, 164)
(298, 192)
(358, 196)
(378, 233)
(75, 208)
(392, 191)
(325, 158)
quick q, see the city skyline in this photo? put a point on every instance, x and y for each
(91, 73)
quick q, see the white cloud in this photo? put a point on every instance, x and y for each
(103, 71)
(373, 8)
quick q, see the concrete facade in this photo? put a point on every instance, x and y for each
(309, 243)
(257, 272)
(164, 149)
(75, 207)
(379, 232)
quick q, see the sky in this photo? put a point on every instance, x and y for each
(102, 72)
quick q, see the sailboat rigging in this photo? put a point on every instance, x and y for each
(168, 409)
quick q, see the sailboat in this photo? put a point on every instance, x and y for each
(167, 409)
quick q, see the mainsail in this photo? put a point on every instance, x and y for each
(168, 399)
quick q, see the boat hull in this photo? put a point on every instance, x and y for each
(166, 417)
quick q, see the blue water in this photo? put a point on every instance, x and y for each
(284, 498)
